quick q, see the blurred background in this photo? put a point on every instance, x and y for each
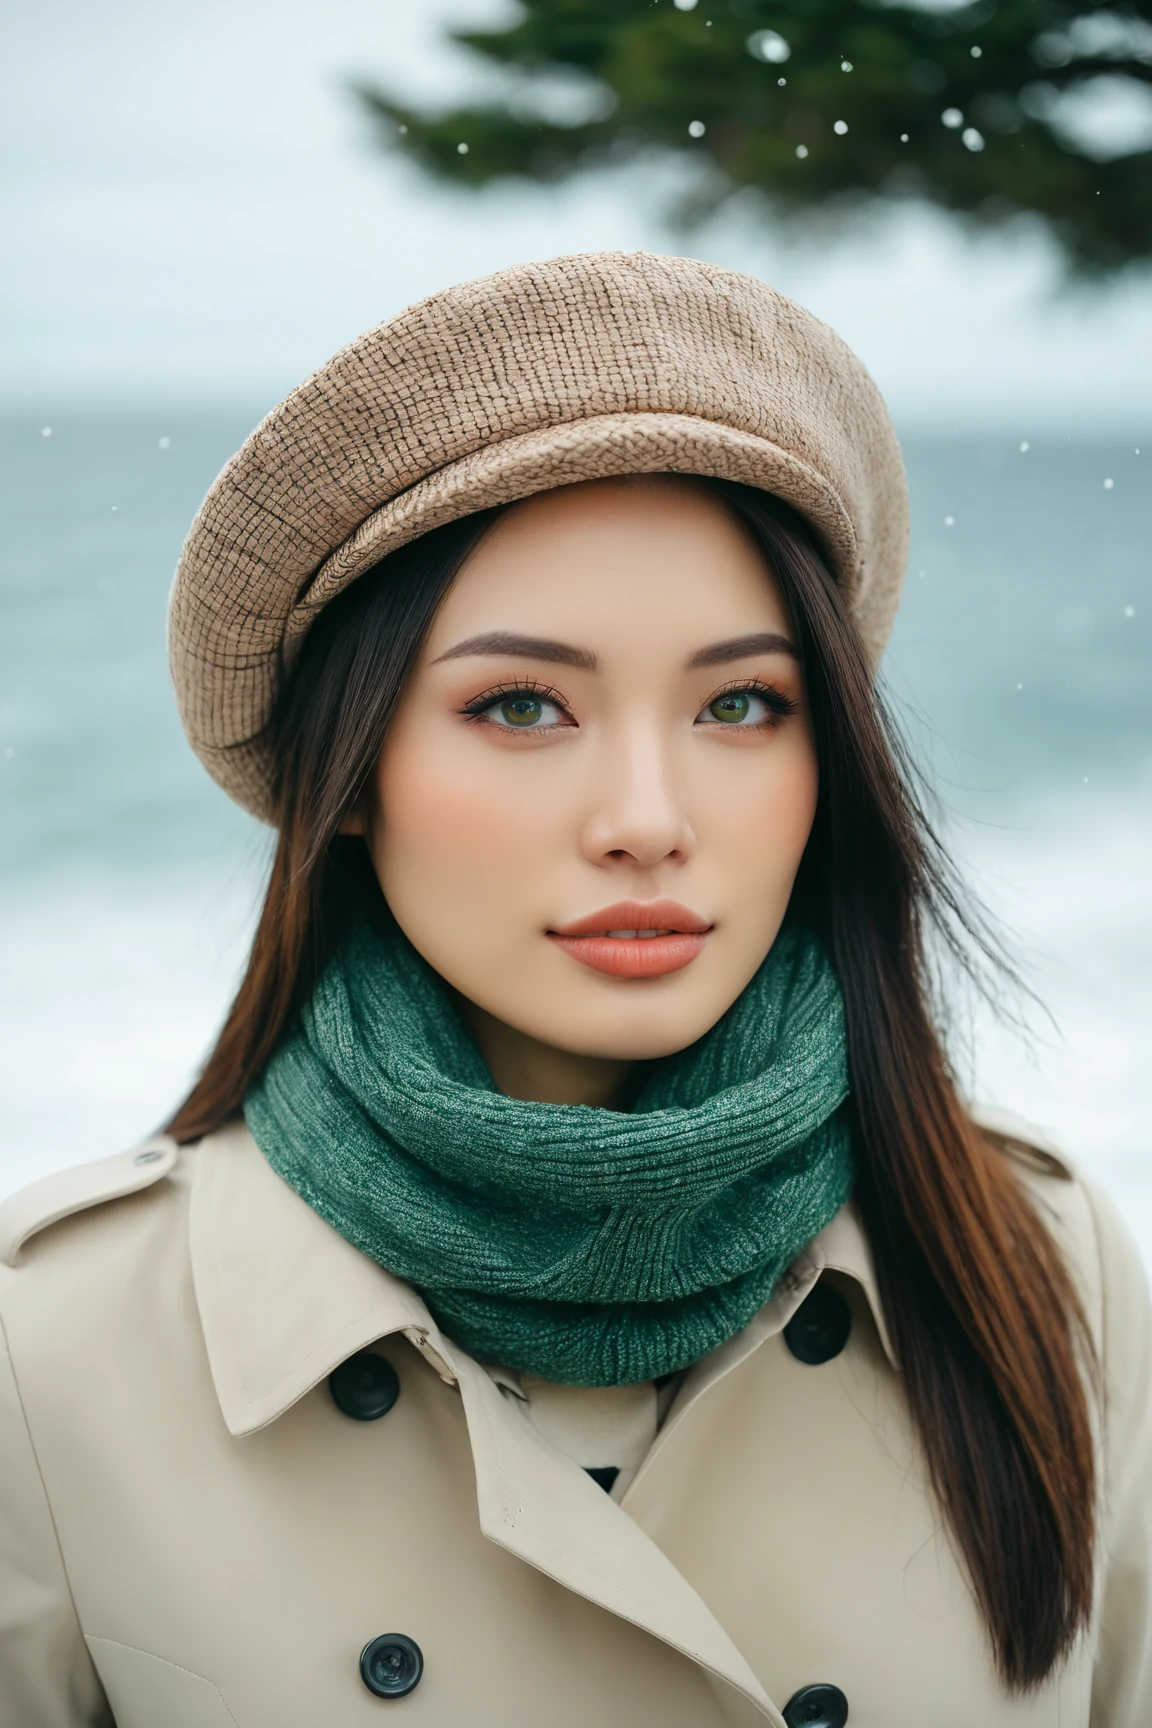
(202, 202)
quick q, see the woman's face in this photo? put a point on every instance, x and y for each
(593, 800)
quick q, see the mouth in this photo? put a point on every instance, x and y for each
(634, 938)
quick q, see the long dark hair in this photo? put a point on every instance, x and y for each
(982, 1311)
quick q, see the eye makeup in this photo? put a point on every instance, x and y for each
(520, 706)
(733, 705)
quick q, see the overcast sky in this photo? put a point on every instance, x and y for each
(193, 212)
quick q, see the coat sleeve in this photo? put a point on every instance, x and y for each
(1122, 1680)
(46, 1675)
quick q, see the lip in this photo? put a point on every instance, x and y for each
(683, 934)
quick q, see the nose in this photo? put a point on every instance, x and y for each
(637, 815)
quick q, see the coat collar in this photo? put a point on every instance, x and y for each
(283, 1299)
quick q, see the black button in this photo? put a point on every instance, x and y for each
(820, 1326)
(391, 1665)
(365, 1387)
(820, 1706)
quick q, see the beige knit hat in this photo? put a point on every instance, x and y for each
(602, 364)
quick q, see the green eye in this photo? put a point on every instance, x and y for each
(732, 707)
(521, 710)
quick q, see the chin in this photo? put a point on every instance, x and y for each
(634, 1035)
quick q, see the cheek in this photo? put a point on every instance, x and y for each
(761, 814)
(457, 815)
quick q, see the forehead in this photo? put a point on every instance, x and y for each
(659, 555)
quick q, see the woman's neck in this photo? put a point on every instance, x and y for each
(538, 1073)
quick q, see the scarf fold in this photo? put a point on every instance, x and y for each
(591, 1247)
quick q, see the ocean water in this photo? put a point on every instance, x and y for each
(1020, 670)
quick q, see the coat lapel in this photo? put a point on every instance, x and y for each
(548, 1512)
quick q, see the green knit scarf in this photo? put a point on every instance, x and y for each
(592, 1247)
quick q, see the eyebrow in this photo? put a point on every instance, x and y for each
(743, 647)
(523, 648)
(565, 654)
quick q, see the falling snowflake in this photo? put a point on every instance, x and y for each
(953, 119)
(840, 127)
(696, 128)
(766, 45)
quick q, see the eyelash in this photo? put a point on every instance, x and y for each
(780, 704)
(479, 705)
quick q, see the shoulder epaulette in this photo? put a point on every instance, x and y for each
(24, 1214)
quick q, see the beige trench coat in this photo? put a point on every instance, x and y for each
(192, 1535)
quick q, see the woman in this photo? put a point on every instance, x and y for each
(574, 1290)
